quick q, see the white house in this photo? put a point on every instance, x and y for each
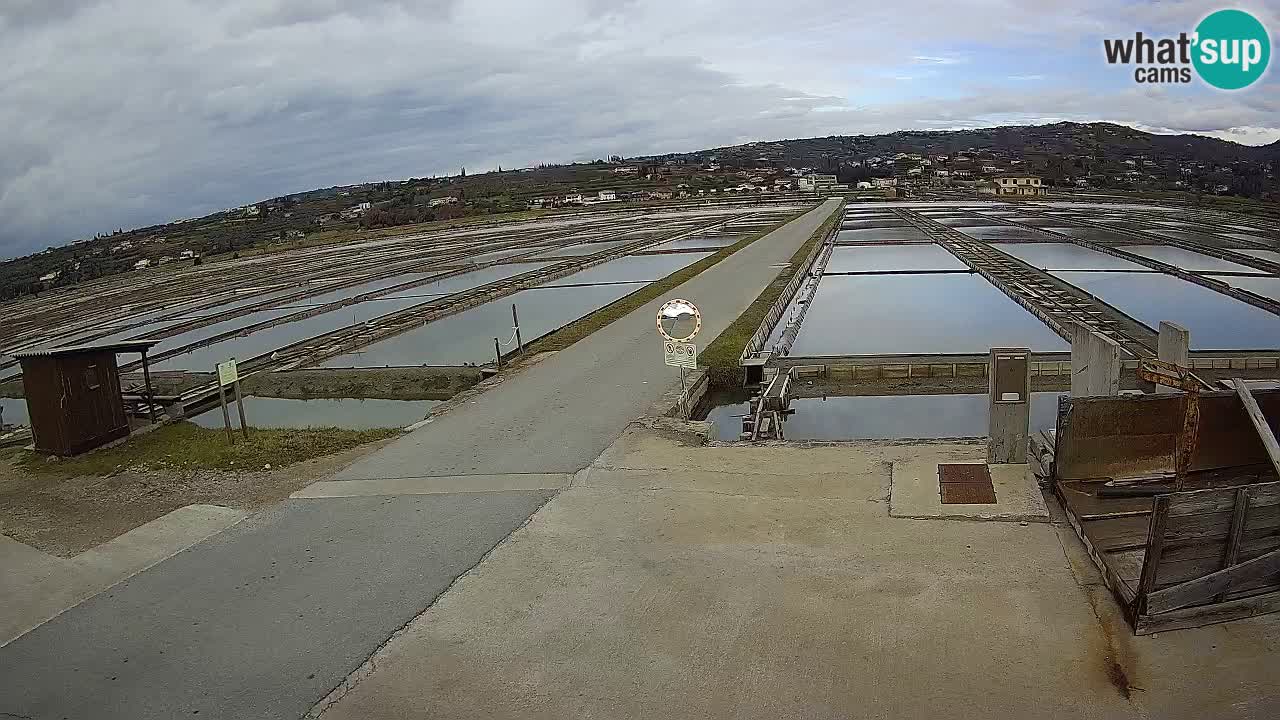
(574, 199)
(1017, 185)
(821, 183)
(49, 277)
(446, 200)
(142, 265)
(864, 185)
(607, 196)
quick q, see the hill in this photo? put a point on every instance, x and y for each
(1094, 155)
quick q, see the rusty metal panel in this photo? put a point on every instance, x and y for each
(1125, 436)
(964, 473)
(965, 484)
(967, 494)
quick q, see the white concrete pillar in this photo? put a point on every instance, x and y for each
(1095, 363)
(1174, 347)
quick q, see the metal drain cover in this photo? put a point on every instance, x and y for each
(965, 484)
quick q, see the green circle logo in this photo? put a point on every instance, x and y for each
(1232, 49)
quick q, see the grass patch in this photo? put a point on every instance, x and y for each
(726, 350)
(185, 446)
(581, 328)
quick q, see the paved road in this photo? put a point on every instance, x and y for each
(265, 619)
(260, 621)
(559, 415)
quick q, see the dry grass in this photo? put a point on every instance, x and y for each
(185, 446)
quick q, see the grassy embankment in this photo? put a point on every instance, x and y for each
(581, 328)
(184, 446)
(722, 355)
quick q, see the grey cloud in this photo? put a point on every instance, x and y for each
(143, 112)
(25, 14)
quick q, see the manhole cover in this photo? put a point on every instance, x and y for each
(965, 484)
(964, 473)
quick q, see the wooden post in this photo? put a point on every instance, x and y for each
(1155, 548)
(1235, 534)
(515, 320)
(244, 426)
(1259, 422)
(226, 416)
(151, 396)
(497, 352)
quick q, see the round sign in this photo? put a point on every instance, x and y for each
(679, 320)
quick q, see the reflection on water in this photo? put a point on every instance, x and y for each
(467, 337)
(1187, 259)
(1266, 286)
(874, 314)
(634, 268)
(1000, 232)
(876, 234)
(272, 338)
(1216, 321)
(885, 417)
(1065, 256)
(878, 258)
(349, 413)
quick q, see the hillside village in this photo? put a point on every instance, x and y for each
(1063, 157)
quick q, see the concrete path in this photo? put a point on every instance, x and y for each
(560, 414)
(38, 586)
(771, 582)
(262, 621)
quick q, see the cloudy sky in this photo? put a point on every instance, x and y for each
(119, 113)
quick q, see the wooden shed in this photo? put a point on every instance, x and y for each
(73, 394)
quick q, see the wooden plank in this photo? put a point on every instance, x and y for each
(1207, 614)
(1126, 533)
(1122, 589)
(1189, 593)
(1259, 422)
(1232, 551)
(1194, 502)
(1155, 545)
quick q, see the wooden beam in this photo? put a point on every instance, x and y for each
(1232, 551)
(1207, 614)
(1179, 596)
(1259, 422)
(1155, 547)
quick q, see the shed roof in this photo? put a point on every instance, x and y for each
(128, 346)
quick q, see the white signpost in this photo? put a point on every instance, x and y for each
(680, 354)
(229, 375)
(678, 322)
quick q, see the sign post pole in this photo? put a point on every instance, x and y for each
(226, 416)
(515, 320)
(229, 375)
(244, 425)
